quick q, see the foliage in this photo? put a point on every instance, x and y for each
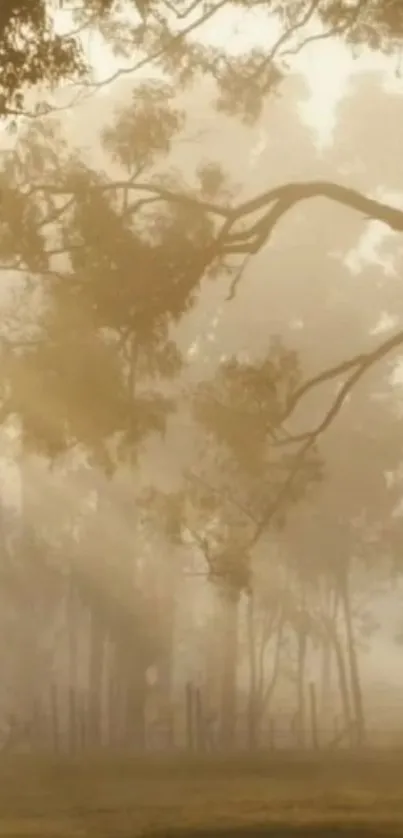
(239, 488)
(111, 264)
(31, 53)
(109, 281)
(378, 25)
(145, 130)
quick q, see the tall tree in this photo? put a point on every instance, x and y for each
(242, 488)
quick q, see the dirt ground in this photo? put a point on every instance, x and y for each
(289, 797)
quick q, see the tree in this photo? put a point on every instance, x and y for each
(239, 491)
(90, 311)
(111, 263)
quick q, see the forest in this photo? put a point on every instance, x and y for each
(201, 378)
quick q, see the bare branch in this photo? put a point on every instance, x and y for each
(339, 29)
(358, 365)
(286, 36)
(161, 51)
(283, 198)
(277, 202)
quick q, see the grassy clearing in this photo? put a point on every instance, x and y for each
(288, 797)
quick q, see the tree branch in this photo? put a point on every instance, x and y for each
(278, 201)
(352, 17)
(159, 192)
(160, 52)
(358, 365)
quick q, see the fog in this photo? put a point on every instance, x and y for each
(123, 612)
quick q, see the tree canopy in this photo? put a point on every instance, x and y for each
(161, 32)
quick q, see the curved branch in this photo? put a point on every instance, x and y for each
(352, 17)
(278, 201)
(286, 36)
(159, 52)
(359, 365)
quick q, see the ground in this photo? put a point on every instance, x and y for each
(288, 797)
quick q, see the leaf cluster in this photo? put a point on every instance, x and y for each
(31, 52)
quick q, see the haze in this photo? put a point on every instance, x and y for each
(328, 284)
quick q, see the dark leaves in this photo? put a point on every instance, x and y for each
(31, 52)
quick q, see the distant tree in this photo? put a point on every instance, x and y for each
(85, 355)
(31, 591)
(244, 487)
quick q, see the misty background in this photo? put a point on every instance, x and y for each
(328, 286)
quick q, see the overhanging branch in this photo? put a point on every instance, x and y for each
(275, 203)
(357, 366)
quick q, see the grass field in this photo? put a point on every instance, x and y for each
(287, 797)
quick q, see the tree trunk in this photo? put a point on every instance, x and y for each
(130, 694)
(314, 716)
(115, 701)
(353, 662)
(230, 611)
(121, 702)
(165, 663)
(267, 689)
(301, 706)
(325, 681)
(54, 714)
(136, 710)
(96, 668)
(336, 646)
(343, 681)
(72, 631)
(253, 697)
